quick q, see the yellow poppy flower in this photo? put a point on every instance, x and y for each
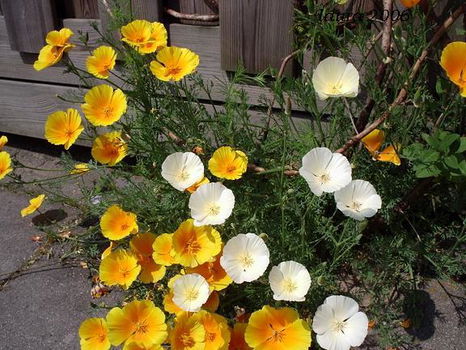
(453, 61)
(136, 346)
(188, 333)
(63, 128)
(157, 40)
(136, 32)
(103, 106)
(57, 44)
(144, 36)
(101, 62)
(3, 141)
(137, 322)
(213, 272)
(117, 223)
(141, 245)
(195, 245)
(5, 164)
(410, 3)
(374, 141)
(217, 332)
(80, 168)
(163, 250)
(109, 148)
(277, 329)
(227, 163)
(194, 187)
(120, 267)
(34, 204)
(174, 63)
(93, 334)
(237, 341)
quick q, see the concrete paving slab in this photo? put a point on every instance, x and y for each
(43, 308)
(15, 232)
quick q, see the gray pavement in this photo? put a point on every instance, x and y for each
(43, 301)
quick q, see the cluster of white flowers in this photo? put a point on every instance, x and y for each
(245, 257)
(329, 172)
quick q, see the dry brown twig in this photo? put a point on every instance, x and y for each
(191, 16)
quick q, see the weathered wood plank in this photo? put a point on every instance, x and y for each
(27, 23)
(82, 25)
(256, 33)
(25, 106)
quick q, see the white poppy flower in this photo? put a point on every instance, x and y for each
(245, 257)
(289, 281)
(358, 200)
(182, 170)
(325, 171)
(211, 204)
(338, 323)
(190, 292)
(333, 77)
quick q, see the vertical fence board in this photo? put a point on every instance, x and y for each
(256, 33)
(85, 8)
(150, 10)
(28, 22)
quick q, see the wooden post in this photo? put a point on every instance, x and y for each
(256, 33)
(28, 22)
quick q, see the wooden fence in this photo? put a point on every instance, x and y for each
(225, 33)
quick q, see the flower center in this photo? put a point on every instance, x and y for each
(191, 294)
(336, 88)
(214, 209)
(246, 261)
(141, 328)
(173, 71)
(339, 326)
(289, 285)
(124, 227)
(210, 337)
(324, 178)
(183, 175)
(356, 206)
(108, 111)
(192, 246)
(69, 133)
(102, 337)
(231, 169)
(186, 340)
